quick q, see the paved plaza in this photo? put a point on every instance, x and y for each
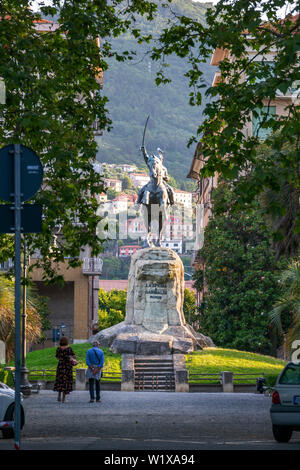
(149, 421)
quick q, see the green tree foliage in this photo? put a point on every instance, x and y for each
(53, 97)
(36, 320)
(237, 26)
(111, 193)
(189, 307)
(115, 268)
(132, 92)
(112, 307)
(279, 197)
(126, 182)
(286, 312)
(241, 278)
(247, 84)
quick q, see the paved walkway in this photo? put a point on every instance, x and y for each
(149, 420)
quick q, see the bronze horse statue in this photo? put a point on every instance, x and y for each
(156, 196)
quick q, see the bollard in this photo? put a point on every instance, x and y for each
(181, 373)
(80, 380)
(227, 381)
(127, 384)
(128, 373)
(2, 348)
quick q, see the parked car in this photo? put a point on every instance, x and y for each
(285, 408)
(7, 409)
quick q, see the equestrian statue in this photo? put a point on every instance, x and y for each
(156, 196)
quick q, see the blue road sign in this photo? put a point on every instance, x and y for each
(31, 218)
(31, 173)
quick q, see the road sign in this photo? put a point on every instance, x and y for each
(31, 173)
(31, 218)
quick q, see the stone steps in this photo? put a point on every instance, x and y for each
(154, 374)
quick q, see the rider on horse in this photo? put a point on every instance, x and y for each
(158, 178)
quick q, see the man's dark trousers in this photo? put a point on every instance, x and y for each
(94, 383)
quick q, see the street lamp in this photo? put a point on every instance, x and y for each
(25, 385)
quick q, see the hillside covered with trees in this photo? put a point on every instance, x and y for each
(133, 95)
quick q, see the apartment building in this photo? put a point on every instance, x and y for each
(184, 198)
(128, 250)
(128, 168)
(113, 183)
(139, 179)
(175, 245)
(136, 228)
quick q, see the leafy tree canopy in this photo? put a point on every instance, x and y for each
(247, 85)
(286, 312)
(237, 27)
(37, 316)
(189, 307)
(279, 195)
(53, 97)
(112, 307)
(240, 277)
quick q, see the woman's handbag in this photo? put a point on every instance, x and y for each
(73, 360)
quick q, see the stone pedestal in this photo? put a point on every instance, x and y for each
(154, 322)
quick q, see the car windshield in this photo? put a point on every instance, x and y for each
(291, 375)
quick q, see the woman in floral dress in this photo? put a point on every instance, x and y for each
(64, 372)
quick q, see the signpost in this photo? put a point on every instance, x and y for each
(21, 175)
(17, 209)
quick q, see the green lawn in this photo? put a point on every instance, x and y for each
(45, 359)
(209, 361)
(215, 360)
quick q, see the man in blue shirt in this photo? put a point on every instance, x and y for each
(94, 361)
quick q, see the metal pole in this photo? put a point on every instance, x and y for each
(25, 385)
(17, 208)
(24, 305)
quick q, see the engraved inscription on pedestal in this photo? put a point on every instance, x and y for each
(155, 314)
